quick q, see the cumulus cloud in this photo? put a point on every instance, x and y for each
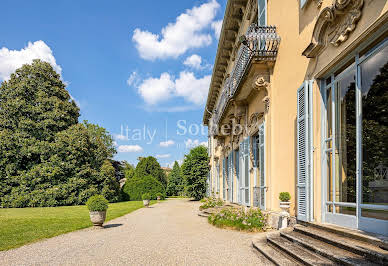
(217, 26)
(10, 60)
(155, 90)
(192, 89)
(190, 143)
(162, 156)
(133, 79)
(167, 143)
(176, 38)
(130, 148)
(193, 61)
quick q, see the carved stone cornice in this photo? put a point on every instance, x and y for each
(334, 24)
(254, 120)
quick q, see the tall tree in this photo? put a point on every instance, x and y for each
(46, 157)
(150, 166)
(195, 169)
(175, 185)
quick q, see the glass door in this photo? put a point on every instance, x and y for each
(356, 142)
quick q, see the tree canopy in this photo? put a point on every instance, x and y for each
(46, 157)
(175, 186)
(150, 166)
(195, 169)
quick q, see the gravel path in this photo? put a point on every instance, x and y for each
(168, 233)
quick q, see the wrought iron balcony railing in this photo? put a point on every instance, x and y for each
(261, 44)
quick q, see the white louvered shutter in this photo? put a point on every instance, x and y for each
(302, 153)
(261, 164)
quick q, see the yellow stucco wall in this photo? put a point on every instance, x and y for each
(295, 26)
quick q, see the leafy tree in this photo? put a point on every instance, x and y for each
(135, 187)
(195, 169)
(46, 157)
(150, 166)
(110, 185)
(102, 139)
(175, 185)
(128, 169)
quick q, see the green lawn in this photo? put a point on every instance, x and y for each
(22, 226)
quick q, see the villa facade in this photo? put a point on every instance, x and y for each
(298, 103)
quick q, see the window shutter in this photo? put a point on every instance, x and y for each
(223, 178)
(261, 163)
(303, 153)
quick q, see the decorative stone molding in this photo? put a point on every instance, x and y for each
(266, 102)
(254, 119)
(261, 84)
(334, 24)
(319, 3)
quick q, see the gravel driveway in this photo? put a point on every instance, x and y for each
(167, 233)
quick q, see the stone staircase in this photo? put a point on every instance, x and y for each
(317, 244)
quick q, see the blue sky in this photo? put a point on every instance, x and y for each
(129, 65)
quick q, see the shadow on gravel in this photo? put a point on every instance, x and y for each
(112, 225)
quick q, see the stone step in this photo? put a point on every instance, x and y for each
(374, 239)
(273, 255)
(365, 249)
(297, 252)
(335, 254)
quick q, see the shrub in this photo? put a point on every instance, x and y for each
(251, 220)
(135, 187)
(284, 196)
(97, 203)
(210, 202)
(146, 196)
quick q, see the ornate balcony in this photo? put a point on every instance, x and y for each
(260, 44)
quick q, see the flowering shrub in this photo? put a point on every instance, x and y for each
(210, 202)
(250, 220)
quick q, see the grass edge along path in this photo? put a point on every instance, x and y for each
(20, 226)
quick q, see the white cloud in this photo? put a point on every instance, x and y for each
(193, 61)
(130, 148)
(133, 79)
(115, 144)
(10, 60)
(176, 38)
(161, 156)
(192, 89)
(190, 143)
(217, 27)
(154, 90)
(167, 143)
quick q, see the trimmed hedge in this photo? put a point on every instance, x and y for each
(135, 187)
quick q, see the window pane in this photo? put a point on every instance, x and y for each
(345, 210)
(345, 139)
(246, 195)
(329, 176)
(329, 115)
(376, 214)
(374, 89)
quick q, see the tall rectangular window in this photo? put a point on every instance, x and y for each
(262, 12)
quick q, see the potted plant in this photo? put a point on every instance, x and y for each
(159, 196)
(146, 199)
(97, 206)
(284, 198)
